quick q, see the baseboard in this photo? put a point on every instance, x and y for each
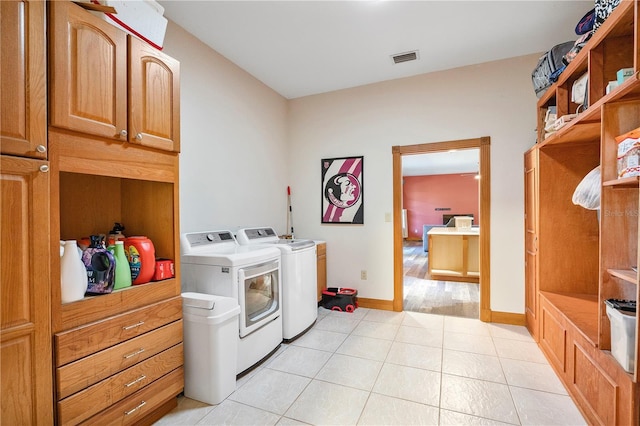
(508, 318)
(385, 305)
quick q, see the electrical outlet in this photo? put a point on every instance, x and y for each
(363, 274)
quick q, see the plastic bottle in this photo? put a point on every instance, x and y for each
(122, 269)
(116, 233)
(100, 265)
(142, 258)
(73, 275)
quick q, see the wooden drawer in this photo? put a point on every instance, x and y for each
(137, 406)
(80, 374)
(79, 342)
(96, 398)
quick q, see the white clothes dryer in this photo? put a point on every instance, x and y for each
(214, 263)
(299, 277)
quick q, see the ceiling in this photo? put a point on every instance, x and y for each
(301, 48)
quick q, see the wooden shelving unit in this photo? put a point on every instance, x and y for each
(578, 258)
(118, 357)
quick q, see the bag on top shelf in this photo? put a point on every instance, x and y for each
(549, 67)
(602, 11)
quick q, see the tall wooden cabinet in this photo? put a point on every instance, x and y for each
(531, 240)
(25, 328)
(583, 257)
(108, 154)
(113, 147)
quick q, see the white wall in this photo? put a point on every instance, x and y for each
(242, 144)
(233, 164)
(494, 99)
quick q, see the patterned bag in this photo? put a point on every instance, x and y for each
(602, 11)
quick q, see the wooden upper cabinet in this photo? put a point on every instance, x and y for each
(88, 73)
(23, 114)
(25, 323)
(154, 97)
(109, 84)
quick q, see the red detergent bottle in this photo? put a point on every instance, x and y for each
(142, 258)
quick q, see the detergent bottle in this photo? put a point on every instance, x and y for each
(100, 265)
(73, 275)
(142, 258)
(123, 270)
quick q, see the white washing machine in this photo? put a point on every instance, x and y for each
(299, 277)
(214, 263)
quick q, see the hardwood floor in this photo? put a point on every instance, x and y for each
(421, 294)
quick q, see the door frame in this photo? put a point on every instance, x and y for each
(484, 145)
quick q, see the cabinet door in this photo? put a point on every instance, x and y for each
(154, 97)
(23, 119)
(88, 69)
(531, 242)
(25, 330)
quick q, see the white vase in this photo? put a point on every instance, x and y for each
(73, 274)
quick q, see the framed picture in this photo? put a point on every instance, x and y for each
(342, 190)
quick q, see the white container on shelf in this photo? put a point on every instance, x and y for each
(140, 18)
(73, 274)
(623, 336)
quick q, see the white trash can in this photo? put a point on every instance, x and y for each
(210, 346)
(622, 316)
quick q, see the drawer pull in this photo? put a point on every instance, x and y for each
(129, 327)
(138, 352)
(139, 379)
(142, 404)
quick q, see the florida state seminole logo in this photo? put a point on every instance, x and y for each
(342, 190)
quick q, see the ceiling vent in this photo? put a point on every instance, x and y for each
(405, 57)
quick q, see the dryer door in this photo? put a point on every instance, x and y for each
(259, 296)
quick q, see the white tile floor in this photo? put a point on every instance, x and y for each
(375, 367)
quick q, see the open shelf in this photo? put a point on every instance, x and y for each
(586, 126)
(94, 308)
(579, 309)
(629, 182)
(627, 275)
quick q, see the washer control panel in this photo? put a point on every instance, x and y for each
(199, 239)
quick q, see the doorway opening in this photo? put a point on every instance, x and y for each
(483, 144)
(437, 188)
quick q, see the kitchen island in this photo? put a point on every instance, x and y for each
(454, 254)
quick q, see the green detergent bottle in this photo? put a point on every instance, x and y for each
(123, 271)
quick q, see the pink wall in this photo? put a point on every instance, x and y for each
(423, 194)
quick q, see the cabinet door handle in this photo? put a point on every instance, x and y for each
(41, 149)
(139, 379)
(123, 134)
(142, 404)
(129, 327)
(132, 354)
(139, 136)
(44, 168)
